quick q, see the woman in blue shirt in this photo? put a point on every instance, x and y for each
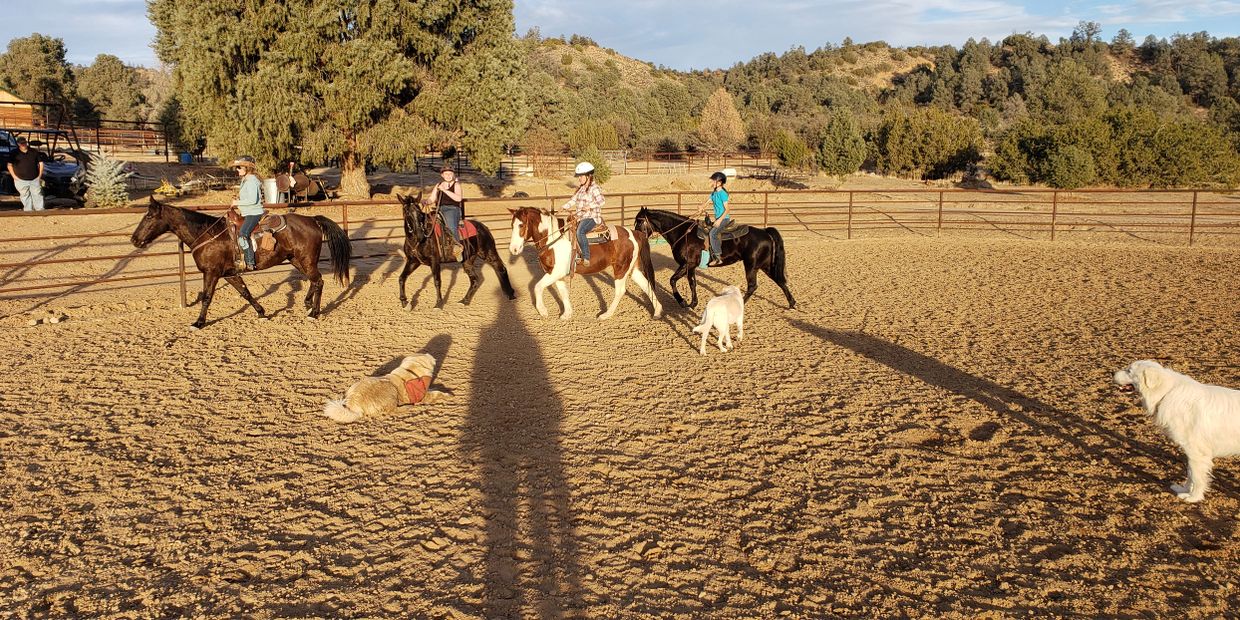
(719, 202)
(249, 203)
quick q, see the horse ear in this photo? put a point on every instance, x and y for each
(154, 203)
(512, 211)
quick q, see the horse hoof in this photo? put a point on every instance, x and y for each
(312, 318)
(195, 327)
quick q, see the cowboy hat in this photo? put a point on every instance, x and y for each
(244, 160)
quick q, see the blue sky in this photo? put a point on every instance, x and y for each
(698, 34)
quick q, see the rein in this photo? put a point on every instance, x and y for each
(223, 218)
(664, 235)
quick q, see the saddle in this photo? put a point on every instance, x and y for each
(264, 236)
(733, 230)
(601, 234)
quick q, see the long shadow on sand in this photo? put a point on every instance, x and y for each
(1065, 426)
(512, 431)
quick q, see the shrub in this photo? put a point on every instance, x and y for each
(792, 151)
(602, 172)
(1069, 167)
(840, 148)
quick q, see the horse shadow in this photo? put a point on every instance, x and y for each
(1008, 403)
(526, 500)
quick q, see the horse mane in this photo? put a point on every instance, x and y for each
(671, 214)
(192, 216)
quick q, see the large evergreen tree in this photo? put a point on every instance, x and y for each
(114, 89)
(359, 80)
(34, 68)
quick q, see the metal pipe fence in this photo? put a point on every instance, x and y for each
(375, 227)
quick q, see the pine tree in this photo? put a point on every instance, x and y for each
(105, 183)
(841, 148)
(113, 88)
(720, 128)
(34, 68)
(355, 79)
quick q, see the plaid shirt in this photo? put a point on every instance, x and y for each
(587, 204)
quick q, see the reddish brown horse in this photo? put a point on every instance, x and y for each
(213, 250)
(626, 254)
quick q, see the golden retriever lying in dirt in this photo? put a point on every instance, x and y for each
(408, 385)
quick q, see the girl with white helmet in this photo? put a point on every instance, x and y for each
(587, 204)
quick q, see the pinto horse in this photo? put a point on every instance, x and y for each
(213, 250)
(627, 254)
(424, 247)
(760, 248)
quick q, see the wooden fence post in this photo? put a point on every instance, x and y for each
(766, 203)
(1192, 220)
(344, 218)
(622, 219)
(678, 197)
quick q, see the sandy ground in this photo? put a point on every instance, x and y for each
(932, 432)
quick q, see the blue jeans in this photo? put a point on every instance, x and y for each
(31, 193)
(452, 219)
(243, 238)
(583, 227)
(715, 232)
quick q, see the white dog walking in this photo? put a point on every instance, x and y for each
(722, 311)
(1204, 420)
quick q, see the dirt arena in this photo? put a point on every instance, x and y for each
(932, 432)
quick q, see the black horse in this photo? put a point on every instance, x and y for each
(760, 248)
(423, 247)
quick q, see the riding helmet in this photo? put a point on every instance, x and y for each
(584, 167)
(719, 176)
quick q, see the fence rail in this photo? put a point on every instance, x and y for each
(375, 229)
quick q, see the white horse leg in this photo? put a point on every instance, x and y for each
(621, 284)
(740, 325)
(540, 286)
(640, 278)
(561, 286)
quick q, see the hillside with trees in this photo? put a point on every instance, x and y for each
(1075, 112)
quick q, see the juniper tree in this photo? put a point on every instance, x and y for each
(355, 79)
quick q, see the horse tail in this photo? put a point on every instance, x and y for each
(778, 259)
(643, 256)
(338, 245)
(340, 412)
(487, 247)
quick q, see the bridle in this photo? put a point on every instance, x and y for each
(655, 232)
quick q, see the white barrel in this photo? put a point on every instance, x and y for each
(270, 193)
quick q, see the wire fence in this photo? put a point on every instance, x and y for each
(91, 250)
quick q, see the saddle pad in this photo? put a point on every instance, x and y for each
(467, 229)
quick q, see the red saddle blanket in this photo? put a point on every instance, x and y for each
(467, 229)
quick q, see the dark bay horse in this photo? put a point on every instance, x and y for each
(423, 247)
(760, 248)
(209, 243)
(627, 255)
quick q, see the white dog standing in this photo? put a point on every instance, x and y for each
(1204, 420)
(722, 311)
